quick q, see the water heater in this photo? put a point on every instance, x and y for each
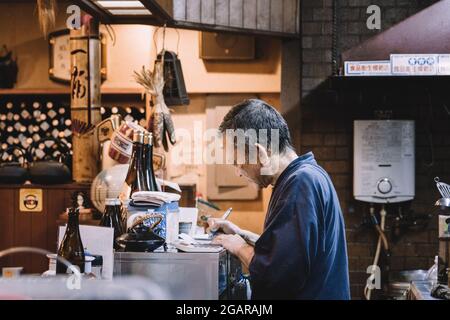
(383, 164)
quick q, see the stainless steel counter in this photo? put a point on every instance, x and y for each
(194, 276)
(421, 290)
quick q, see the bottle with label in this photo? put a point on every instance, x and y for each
(148, 163)
(135, 180)
(71, 247)
(111, 218)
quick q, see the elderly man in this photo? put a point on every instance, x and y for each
(302, 251)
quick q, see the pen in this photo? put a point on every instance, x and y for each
(224, 217)
(227, 214)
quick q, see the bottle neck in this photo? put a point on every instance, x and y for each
(109, 210)
(73, 222)
(149, 172)
(138, 150)
(137, 158)
(148, 153)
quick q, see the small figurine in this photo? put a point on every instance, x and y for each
(81, 202)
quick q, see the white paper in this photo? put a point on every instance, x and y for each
(99, 241)
(190, 216)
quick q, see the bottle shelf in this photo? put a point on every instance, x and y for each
(64, 91)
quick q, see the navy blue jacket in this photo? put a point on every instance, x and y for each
(302, 253)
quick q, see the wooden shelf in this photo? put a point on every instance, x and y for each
(41, 91)
(64, 91)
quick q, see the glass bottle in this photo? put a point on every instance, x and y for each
(71, 247)
(135, 180)
(148, 163)
(111, 218)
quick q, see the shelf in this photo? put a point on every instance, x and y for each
(65, 91)
(390, 83)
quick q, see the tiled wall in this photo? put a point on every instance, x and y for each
(329, 107)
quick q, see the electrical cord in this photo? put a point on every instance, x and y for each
(367, 289)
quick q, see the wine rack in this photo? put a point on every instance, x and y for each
(25, 119)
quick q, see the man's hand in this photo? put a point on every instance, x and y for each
(233, 243)
(224, 225)
(237, 246)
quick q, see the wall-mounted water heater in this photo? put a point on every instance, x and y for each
(384, 161)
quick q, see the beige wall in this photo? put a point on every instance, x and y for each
(248, 214)
(135, 47)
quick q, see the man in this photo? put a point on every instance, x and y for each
(302, 252)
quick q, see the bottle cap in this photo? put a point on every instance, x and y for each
(110, 201)
(138, 136)
(148, 138)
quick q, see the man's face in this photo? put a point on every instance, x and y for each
(250, 171)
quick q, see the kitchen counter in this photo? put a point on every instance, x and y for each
(421, 290)
(193, 276)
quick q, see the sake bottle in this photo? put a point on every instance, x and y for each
(135, 180)
(149, 174)
(111, 218)
(71, 247)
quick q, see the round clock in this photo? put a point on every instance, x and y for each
(59, 62)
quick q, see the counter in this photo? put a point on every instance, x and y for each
(420, 290)
(193, 276)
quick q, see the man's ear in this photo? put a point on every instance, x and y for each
(262, 154)
(269, 166)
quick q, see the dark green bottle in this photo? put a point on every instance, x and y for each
(71, 247)
(149, 173)
(135, 180)
(112, 219)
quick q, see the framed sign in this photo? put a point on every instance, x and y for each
(30, 200)
(414, 64)
(368, 68)
(59, 56)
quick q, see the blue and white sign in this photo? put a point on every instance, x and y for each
(444, 65)
(368, 68)
(415, 64)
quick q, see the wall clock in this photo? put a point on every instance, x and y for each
(59, 56)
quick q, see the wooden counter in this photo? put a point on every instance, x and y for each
(35, 229)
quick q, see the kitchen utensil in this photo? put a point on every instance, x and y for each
(443, 203)
(444, 189)
(14, 171)
(50, 171)
(141, 238)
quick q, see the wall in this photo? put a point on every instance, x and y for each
(328, 109)
(249, 214)
(133, 48)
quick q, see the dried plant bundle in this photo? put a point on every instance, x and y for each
(47, 15)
